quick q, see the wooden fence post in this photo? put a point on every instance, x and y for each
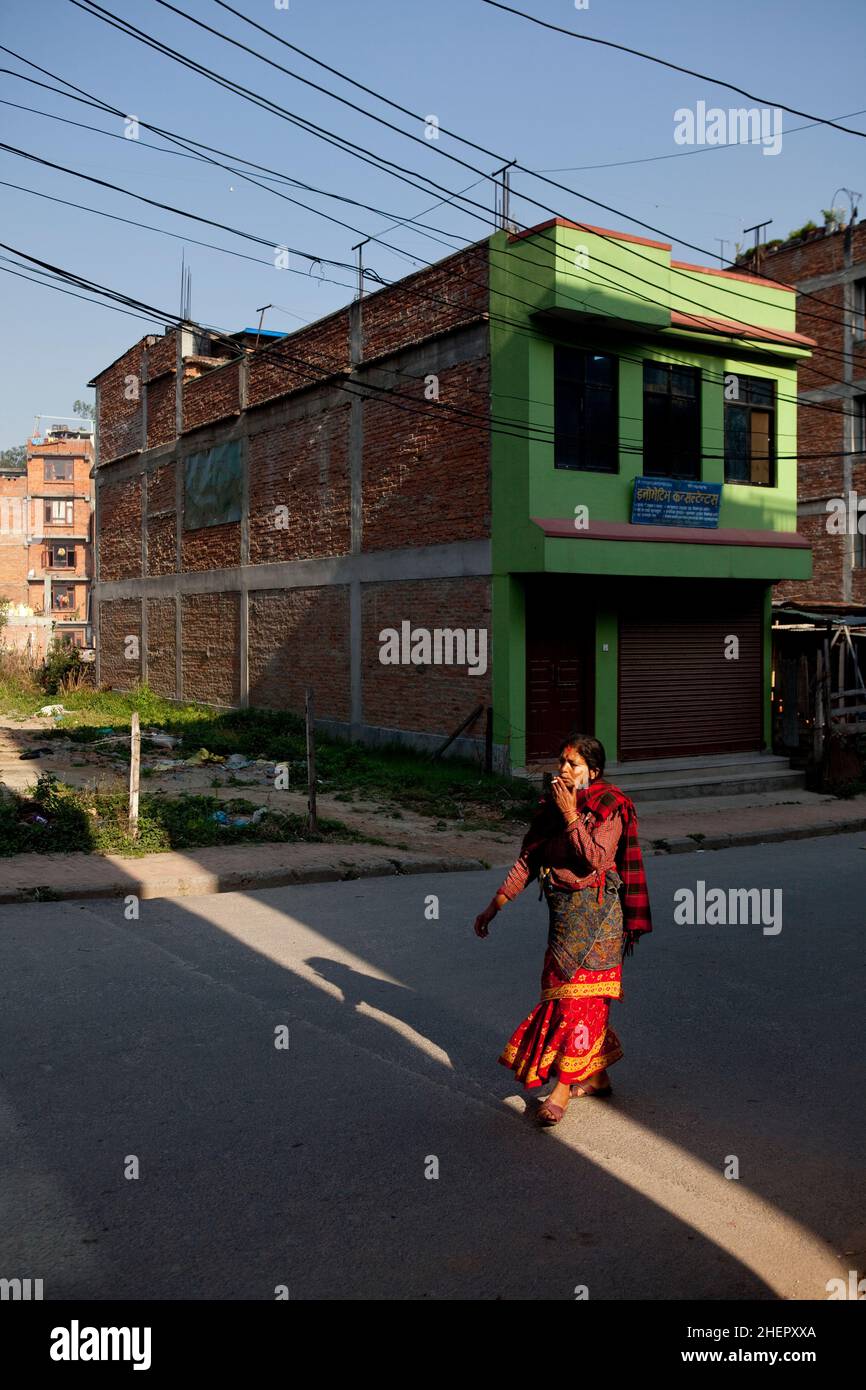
(134, 765)
(312, 822)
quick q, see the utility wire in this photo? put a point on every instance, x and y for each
(126, 27)
(675, 67)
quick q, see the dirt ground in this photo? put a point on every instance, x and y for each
(81, 765)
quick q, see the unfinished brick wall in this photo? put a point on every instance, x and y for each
(300, 637)
(161, 520)
(303, 358)
(119, 522)
(825, 586)
(442, 297)
(210, 625)
(161, 646)
(121, 398)
(13, 528)
(212, 547)
(302, 466)
(212, 396)
(161, 410)
(822, 437)
(434, 699)
(162, 354)
(120, 620)
(426, 478)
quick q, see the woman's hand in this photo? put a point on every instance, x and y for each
(565, 798)
(483, 920)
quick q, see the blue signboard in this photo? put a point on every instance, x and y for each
(675, 502)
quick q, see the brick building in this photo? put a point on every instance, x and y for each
(832, 266)
(383, 504)
(46, 540)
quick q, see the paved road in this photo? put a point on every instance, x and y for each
(305, 1166)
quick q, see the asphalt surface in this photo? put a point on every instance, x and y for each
(306, 1166)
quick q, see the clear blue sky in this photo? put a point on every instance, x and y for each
(535, 96)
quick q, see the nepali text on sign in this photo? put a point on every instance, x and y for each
(675, 502)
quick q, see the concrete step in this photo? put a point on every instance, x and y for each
(711, 761)
(723, 775)
(736, 785)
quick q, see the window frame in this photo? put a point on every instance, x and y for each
(52, 564)
(64, 502)
(49, 470)
(58, 608)
(750, 406)
(579, 445)
(651, 363)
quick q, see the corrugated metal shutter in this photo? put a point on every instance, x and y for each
(678, 695)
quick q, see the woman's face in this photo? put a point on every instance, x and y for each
(574, 770)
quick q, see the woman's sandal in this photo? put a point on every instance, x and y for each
(600, 1091)
(549, 1113)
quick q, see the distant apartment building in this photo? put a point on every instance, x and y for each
(46, 518)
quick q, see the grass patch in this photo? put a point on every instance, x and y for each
(60, 819)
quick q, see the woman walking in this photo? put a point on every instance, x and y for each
(583, 848)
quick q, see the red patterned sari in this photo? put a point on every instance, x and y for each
(568, 1030)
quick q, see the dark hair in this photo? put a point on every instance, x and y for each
(590, 749)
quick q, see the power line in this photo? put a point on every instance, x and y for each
(675, 67)
(487, 423)
(126, 27)
(537, 174)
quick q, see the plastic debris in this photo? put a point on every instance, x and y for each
(203, 756)
(160, 739)
(236, 760)
(34, 753)
(55, 710)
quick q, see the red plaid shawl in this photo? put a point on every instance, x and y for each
(603, 798)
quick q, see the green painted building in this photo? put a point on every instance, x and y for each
(611, 362)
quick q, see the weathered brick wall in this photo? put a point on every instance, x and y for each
(121, 397)
(161, 409)
(162, 354)
(14, 559)
(210, 625)
(825, 585)
(119, 619)
(304, 467)
(212, 396)
(821, 426)
(161, 520)
(453, 292)
(161, 646)
(435, 699)
(212, 547)
(300, 637)
(119, 521)
(306, 356)
(426, 476)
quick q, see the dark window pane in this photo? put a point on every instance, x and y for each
(736, 445)
(585, 410)
(684, 383)
(656, 378)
